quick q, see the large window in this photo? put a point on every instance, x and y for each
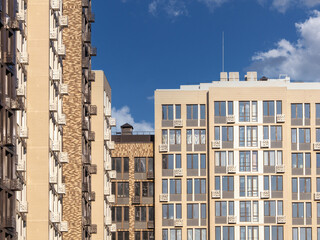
(192, 112)
(123, 189)
(140, 164)
(227, 134)
(175, 234)
(276, 183)
(175, 136)
(120, 164)
(248, 161)
(248, 136)
(140, 214)
(227, 183)
(221, 209)
(276, 133)
(304, 135)
(305, 185)
(244, 111)
(193, 210)
(220, 109)
(170, 161)
(147, 189)
(197, 234)
(167, 112)
(305, 233)
(249, 188)
(249, 233)
(167, 211)
(246, 213)
(199, 136)
(268, 108)
(296, 111)
(175, 186)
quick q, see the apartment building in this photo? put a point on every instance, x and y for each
(132, 190)
(45, 118)
(78, 134)
(238, 160)
(101, 157)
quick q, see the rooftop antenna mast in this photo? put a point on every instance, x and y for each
(222, 51)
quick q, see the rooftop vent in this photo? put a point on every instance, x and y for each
(126, 129)
(264, 78)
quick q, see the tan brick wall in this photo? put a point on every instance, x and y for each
(132, 150)
(72, 205)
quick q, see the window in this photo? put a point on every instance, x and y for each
(150, 164)
(268, 158)
(164, 136)
(298, 210)
(276, 133)
(203, 211)
(307, 110)
(178, 211)
(279, 107)
(245, 211)
(230, 108)
(249, 232)
(304, 135)
(167, 112)
(297, 160)
(318, 184)
(126, 165)
(165, 234)
(294, 185)
(199, 186)
(202, 112)
(219, 109)
(269, 208)
(293, 135)
(217, 183)
(123, 235)
(192, 112)
(193, 210)
(277, 233)
(175, 186)
(245, 161)
(318, 160)
(216, 133)
(268, 108)
(199, 136)
(117, 214)
(276, 183)
(192, 161)
(220, 159)
(140, 214)
(251, 188)
(178, 111)
(244, 111)
(189, 186)
(265, 182)
(175, 136)
(296, 110)
(317, 110)
(305, 185)
(140, 164)
(317, 134)
(167, 211)
(227, 134)
(189, 136)
(147, 189)
(228, 233)
(116, 165)
(165, 186)
(137, 189)
(175, 234)
(197, 234)
(266, 132)
(203, 161)
(251, 135)
(221, 209)
(123, 189)
(151, 213)
(167, 161)
(227, 183)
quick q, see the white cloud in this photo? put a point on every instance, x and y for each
(300, 60)
(282, 5)
(150, 97)
(123, 116)
(212, 4)
(173, 8)
(310, 3)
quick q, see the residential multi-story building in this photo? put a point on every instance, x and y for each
(238, 160)
(78, 132)
(101, 157)
(45, 119)
(132, 178)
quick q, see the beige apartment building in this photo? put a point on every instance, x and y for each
(238, 160)
(101, 157)
(133, 185)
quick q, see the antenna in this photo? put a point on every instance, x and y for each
(222, 51)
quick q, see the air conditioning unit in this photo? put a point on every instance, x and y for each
(178, 123)
(107, 135)
(178, 172)
(232, 219)
(216, 144)
(55, 5)
(54, 217)
(62, 50)
(112, 122)
(231, 119)
(61, 188)
(62, 119)
(54, 145)
(64, 89)
(23, 132)
(54, 34)
(63, 227)
(265, 143)
(63, 157)
(215, 194)
(24, 58)
(163, 148)
(63, 21)
(21, 166)
(111, 198)
(56, 75)
(110, 145)
(113, 228)
(164, 197)
(178, 223)
(280, 169)
(112, 174)
(22, 206)
(265, 194)
(231, 169)
(107, 165)
(316, 146)
(317, 196)
(281, 118)
(281, 219)
(53, 179)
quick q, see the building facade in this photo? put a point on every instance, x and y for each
(101, 157)
(132, 185)
(238, 160)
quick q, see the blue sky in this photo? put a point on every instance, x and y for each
(145, 45)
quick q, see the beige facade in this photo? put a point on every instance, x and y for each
(259, 139)
(101, 156)
(132, 186)
(45, 120)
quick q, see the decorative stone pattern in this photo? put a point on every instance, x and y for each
(133, 150)
(72, 132)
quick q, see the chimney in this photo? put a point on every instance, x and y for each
(251, 76)
(126, 129)
(234, 76)
(223, 76)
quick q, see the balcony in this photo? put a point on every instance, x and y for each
(265, 143)
(22, 206)
(231, 119)
(16, 185)
(20, 91)
(5, 183)
(111, 198)
(112, 174)
(216, 194)
(107, 166)
(53, 34)
(178, 123)
(280, 169)
(62, 50)
(106, 190)
(92, 76)
(232, 219)
(150, 175)
(54, 146)
(136, 200)
(62, 119)
(85, 124)
(91, 136)
(110, 145)
(63, 157)
(86, 220)
(8, 58)
(63, 21)
(150, 224)
(23, 58)
(265, 194)
(178, 223)
(55, 5)
(87, 37)
(63, 89)
(85, 187)
(85, 3)
(93, 110)
(107, 220)
(317, 196)
(92, 196)
(281, 219)
(56, 76)
(107, 112)
(61, 188)
(231, 169)
(21, 16)
(53, 178)
(112, 122)
(86, 159)
(21, 166)
(53, 106)
(93, 51)
(215, 144)
(91, 17)
(10, 222)
(163, 148)
(107, 136)
(54, 217)
(63, 227)
(113, 228)
(23, 132)
(316, 146)
(178, 172)
(93, 228)
(93, 169)
(281, 118)
(164, 197)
